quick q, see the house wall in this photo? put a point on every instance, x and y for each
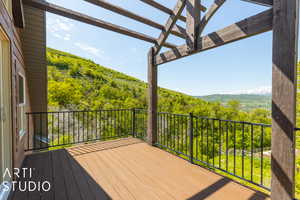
(17, 65)
(34, 48)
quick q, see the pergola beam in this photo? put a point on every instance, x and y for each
(43, 5)
(131, 15)
(248, 27)
(169, 25)
(261, 2)
(192, 23)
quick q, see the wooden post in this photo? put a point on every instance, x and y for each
(192, 23)
(152, 102)
(285, 39)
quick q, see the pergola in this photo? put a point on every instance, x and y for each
(282, 18)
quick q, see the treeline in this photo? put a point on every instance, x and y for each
(81, 84)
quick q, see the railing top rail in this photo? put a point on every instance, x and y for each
(142, 109)
(225, 120)
(176, 114)
(72, 111)
(235, 121)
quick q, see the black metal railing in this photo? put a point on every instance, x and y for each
(140, 123)
(53, 129)
(240, 149)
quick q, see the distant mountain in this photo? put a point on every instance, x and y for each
(248, 101)
(263, 90)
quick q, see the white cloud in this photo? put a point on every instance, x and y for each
(67, 37)
(89, 49)
(64, 25)
(57, 35)
(92, 51)
(60, 28)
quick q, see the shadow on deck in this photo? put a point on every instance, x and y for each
(126, 169)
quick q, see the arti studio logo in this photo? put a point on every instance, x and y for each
(26, 185)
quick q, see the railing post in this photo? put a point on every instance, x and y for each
(191, 135)
(133, 122)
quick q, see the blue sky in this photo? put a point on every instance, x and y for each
(243, 66)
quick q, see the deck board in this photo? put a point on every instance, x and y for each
(128, 169)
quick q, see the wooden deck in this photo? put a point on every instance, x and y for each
(126, 169)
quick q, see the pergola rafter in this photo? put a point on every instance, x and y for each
(210, 13)
(131, 15)
(162, 8)
(169, 25)
(192, 23)
(282, 18)
(43, 5)
(246, 28)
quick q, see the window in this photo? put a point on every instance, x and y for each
(21, 90)
(21, 109)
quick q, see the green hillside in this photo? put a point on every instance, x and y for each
(247, 101)
(77, 83)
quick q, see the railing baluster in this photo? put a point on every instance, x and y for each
(133, 122)
(252, 152)
(227, 134)
(261, 155)
(69, 127)
(243, 149)
(73, 126)
(207, 135)
(182, 133)
(63, 127)
(202, 141)
(234, 148)
(220, 141)
(213, 139)
(191, 135)
(58, 126)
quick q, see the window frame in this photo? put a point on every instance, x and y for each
(24, 93)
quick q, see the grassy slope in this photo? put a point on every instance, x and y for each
(77, 83)
(94, 81)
